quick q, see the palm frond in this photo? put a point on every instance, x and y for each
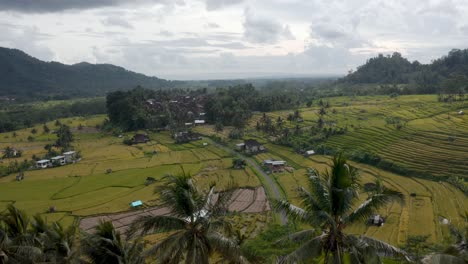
(371, 205)
(318, 188)
(228, 248)
(310, 249)
(146, 224)
(383, 249)
(171, 249)
(299, 236)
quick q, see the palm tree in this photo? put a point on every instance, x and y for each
(455, 253)
(329, 204)
(195, 226)
(108, 246)
(17, 243)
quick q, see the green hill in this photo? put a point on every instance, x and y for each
(447, 74)
(25, 76)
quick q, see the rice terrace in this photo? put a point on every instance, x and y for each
(279, 131)
(423, 146)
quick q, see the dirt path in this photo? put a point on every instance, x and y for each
(268, 180)
(244, 201)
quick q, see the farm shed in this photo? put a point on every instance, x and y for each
(309, 153)
(376, 220)
(136, 203)
(275, 165)
(199, 122)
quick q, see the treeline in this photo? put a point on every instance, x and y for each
(18, 116)
(163, 109)
(395, 74)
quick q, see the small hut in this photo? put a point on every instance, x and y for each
(376, 220)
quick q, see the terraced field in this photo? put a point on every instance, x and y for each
(85, 189)
(421, 214)
(433, 139)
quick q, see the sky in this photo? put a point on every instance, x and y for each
(222, 39)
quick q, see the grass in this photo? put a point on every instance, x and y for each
(84, 188)
(433, 141)
(420, 215)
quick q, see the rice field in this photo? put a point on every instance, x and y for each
(426, 203)
(85, 188)
(432, 140)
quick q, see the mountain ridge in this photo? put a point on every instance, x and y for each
(26, 76)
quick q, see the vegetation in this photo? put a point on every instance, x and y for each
(396, 74)
(329, 204)
(18, 116)
(28, 77)
(196, 224)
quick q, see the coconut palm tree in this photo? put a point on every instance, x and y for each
(108, 246)
(195, 226)
(17, 243)
(455, 253)
(329, 204)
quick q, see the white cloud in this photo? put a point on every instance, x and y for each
(264, 30)
(233, 38)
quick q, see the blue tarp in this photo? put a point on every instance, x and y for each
(136, 203)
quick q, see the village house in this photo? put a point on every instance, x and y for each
(43, 164)
(252, 146)
(58, 161)
(140, 138)
(275, 165)
(199, 122)
(186, 136)
(70, 156)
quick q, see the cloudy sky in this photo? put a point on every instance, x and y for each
(215, 39)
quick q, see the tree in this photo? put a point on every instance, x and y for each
(108, 246)
(238, 163)
(64, 137)
(17, 243)
(329, 204)
(195, 224)
(218, 127)
(46, 129)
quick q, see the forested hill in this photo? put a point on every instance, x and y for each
(447, 74)
(23, 76)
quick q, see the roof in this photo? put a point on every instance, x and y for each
(240, 144)
(43, 161)
(199, 121)
(140, 137)
(310, 152)
(69, 153)
(252, 142)
(57, 158)
(136, 203)
(274, 162)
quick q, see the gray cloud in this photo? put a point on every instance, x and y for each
(46, 6)
(212, 25)
(219, 4)
(116, 21)
(260, 30)
(27, 39)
